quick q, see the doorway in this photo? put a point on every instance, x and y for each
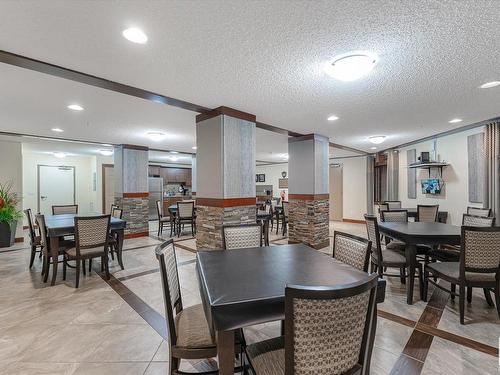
(336, 192)
(56, 186)
(108, 187)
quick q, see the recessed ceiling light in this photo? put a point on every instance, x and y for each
(107, 145)
(352, 66)
(57, 130)
(489, 85)
(285, 156)
(332, 118)
(106, 152)
(173, 152)
(59, 155)
(156, 136)
(194, 148)
(173, 158)
(135, 35)
(455, 120)
(75, 107)
(373, 148)
(377, 139)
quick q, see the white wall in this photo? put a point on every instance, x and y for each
(353, 187)
(273, 174)
(11, 170)
(455, 197)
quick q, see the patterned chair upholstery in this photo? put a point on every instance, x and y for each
(189, 334)
(35, 241)
(314, 319)
(117, 213)
(479, 266)
(241, 236)
(352, 250)
(427, 213)
(185, 215)
(65, 209)
(476, 211)
(393, 205)
(399, 216)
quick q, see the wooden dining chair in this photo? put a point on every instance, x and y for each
(91, 241)
(65, 209)
(352, 250)
(116, 213)
(476, 211)
(284, 217)
(328, 330)
(478, 267)
(241, 236)
(35, 240)
(398, 216)
(185, 215)
(393, 205)
(163, 219)
(427, 213)
(189, 334)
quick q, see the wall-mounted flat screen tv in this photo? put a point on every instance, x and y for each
(431, 186)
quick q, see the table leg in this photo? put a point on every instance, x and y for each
(266, 232)
(119, 239)
(411, 255)
(54, 253)
(225, 352)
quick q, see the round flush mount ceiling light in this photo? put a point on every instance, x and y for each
(106, 152)
(156, 136)
(351, 66)
(135, 35)
(489, 85)
(57, 130)
(75, 107)
(377, 139)
(332, 118)
(59, 155)
(455, 120)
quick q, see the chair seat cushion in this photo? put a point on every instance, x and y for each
(91, 252)
(444, 255)
(391, 257)
(268, 357)
(396, 245)
(192, 329)
(452, 270)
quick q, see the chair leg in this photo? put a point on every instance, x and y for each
(497, 297)
(32, 257)
(46, 267)
(380, 270)
(402, 272)
(102, 264)
(192, 228)
(454, 290)
(104, 260)
(469, 294)
(159, 225)
(487, 296)
(90, 265)
(77, 270)
(173, 365)
(84, 264)
(41, 253)
(426, 285)
(461, 302)
(421, 280)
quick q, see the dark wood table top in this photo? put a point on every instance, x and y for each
(62, 225)
(422, 233)
(247, 286)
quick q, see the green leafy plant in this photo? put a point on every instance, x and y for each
(8, 204)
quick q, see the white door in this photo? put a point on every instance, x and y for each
(56, 186)
(108, 184)
(336, 192)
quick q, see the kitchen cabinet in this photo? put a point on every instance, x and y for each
(154, 171)
(171, 175)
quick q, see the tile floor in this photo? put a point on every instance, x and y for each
(93, 330)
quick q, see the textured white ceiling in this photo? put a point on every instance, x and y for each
(266, 58)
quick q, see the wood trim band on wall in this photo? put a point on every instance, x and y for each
(226, 111)
(135, 195)
(354, 221)
(128, 236)
(308, 197)
(135, 147)
(226, 202)
(19, 239)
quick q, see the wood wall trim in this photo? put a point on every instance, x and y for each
(225, 111)
(226, 202)
(128, 236)
(135, 195)
(308, 197)
(135, 147)
(354, 221)
(19, 239)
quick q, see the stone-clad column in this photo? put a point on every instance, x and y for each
(225, 169)
(308, 193)
(131, 188)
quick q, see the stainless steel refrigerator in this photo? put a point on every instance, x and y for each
(155, 194)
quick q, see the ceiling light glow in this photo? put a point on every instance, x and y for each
(332, 118)
(194, 148)
(455, 120)
(106, 152)
(59, 155)
(173, 152)
(352, 66)
(489, 85)
(135, 35)
(156, 136)
(57, 130)
(373, 148)
(377, 139)
(173, 158)
(75, 107)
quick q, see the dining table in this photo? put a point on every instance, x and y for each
(419, 233)
(244, 287)
(59, 226)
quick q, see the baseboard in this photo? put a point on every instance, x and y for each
(25, 227)
(135, 235)
(353, 221)
(19, 239)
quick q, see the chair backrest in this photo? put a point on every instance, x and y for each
(165, 253)
(477, 221)
(352, 250)
(185, 209)
(112, 207)
(285, 208)
(476, 211)
(427, 213)
(91, 231)
(327, 329)
(383, 207)
(159, 209)
(393, 205)
(65, 209)
(400, 216)
(480, 250)
(274, 203)
(31, 227)
(40, 222)
(116, 212)
(373, 234)
(241, 236)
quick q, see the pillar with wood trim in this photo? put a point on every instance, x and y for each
(308, 192)
(131, 188)
(225, 173)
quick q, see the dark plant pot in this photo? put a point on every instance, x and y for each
(7, 233)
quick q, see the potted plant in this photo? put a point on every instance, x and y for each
(9, 214)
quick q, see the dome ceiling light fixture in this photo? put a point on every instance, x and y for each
(377, 139)
(455, 120)
(489, 85)
(351, 66)
(156, 136)
(332, 118)
(135, 35)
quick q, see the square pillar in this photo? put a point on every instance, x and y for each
(131, 188)
(193, 176)
(308, 191)
(225, 173)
